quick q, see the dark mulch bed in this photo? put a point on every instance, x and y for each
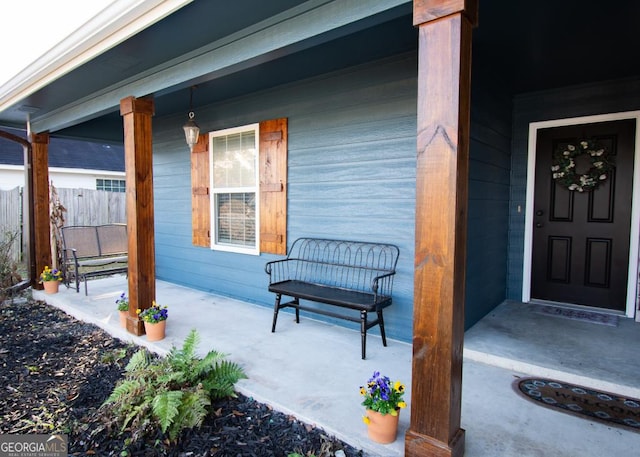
(55, 372)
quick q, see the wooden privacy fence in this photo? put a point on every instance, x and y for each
(83, 207)
(92, 207)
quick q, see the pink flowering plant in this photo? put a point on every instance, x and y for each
(154, 314)
(383, 395)
(50, 275)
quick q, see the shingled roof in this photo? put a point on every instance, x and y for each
(66, 153)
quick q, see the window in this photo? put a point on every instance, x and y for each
(235, 207)
(111, 185)
(234, 189)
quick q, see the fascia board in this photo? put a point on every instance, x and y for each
(73, 171)
(88, 171)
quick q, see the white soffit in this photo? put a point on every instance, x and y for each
(113, 25)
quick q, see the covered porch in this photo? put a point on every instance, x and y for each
(313, 370)
(463, 170)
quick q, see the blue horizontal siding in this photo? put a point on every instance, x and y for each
(351, 174)
(489, 178)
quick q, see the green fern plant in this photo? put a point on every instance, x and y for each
(173, 392)
(217, 375)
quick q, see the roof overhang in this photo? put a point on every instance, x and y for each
(291, 30)
(229, 49)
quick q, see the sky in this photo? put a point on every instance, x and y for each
(30, 28)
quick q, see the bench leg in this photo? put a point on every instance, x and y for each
(295, 303)
(276, 308)
(381, 323)
(363, 333)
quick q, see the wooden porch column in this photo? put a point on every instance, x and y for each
(136, 114)
(444, 76)
(40, 200)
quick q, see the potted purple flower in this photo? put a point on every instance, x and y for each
(123, 308)
(383, 399)
(155, 321)
(50, 279)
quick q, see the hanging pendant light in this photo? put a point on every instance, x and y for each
(191, 129)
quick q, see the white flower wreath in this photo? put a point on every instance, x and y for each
(564, 166)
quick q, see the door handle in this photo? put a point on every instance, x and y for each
(539, 212)
(539, 224)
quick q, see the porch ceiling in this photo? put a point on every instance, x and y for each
(552, 45)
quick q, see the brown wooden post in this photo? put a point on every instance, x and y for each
(40, 201)
(444, 76)
(136, 114)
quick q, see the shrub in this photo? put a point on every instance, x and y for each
(172, 393)
(9, 275)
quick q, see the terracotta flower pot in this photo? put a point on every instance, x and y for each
(51, 287)
(123, 318)
(382, 428)
(155, 332)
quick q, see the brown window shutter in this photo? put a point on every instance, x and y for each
(200, 195)
(273, 186)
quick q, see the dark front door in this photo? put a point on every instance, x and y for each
(581, 238)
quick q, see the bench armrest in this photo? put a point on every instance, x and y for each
(69, 257)
(276, 270)
(384, 283)
(66, 258)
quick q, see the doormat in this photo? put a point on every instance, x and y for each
(577, 315)
(587, 403)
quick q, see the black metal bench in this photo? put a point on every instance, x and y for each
(90, 251)
(349, 274)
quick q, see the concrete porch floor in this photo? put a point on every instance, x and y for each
(313, 370)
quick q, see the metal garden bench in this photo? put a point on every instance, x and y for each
(90, 251)
(352, 275)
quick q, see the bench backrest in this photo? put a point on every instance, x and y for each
(340, 263)
(113, 239)
(95, 241)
